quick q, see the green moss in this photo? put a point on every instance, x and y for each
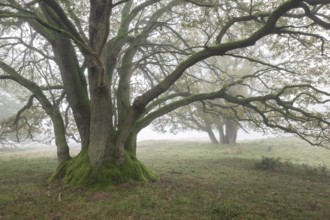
(79, 172)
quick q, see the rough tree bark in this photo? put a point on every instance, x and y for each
(74, 85)
(105, 160)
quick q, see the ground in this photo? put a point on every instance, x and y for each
(198, 181)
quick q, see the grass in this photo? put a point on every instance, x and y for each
(264, 179)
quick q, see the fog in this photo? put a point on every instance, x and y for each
(145, 134)
(149, 134)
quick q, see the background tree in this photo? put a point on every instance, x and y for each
(117, 64)
(198, 117)
(207, 116)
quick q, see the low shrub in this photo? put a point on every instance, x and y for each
(269, 163)
(277, 164)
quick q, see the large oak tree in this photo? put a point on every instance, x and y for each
(120, 63)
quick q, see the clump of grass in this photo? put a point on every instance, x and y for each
(224, 209)
(147, 201)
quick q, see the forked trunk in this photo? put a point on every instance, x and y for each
(105, 161)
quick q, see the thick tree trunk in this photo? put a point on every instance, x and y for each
(101, 134)
(101, 148)
(131, 144)
(127, 130)
(75, 86)
(228, 132)
(73, 79)
(106, 161)
(212, 136)
(231, 131)
(222, 135)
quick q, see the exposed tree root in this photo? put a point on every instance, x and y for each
(79, 172)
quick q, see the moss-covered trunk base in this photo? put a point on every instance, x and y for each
(79, 172)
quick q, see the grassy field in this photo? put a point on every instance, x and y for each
(280, 178)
